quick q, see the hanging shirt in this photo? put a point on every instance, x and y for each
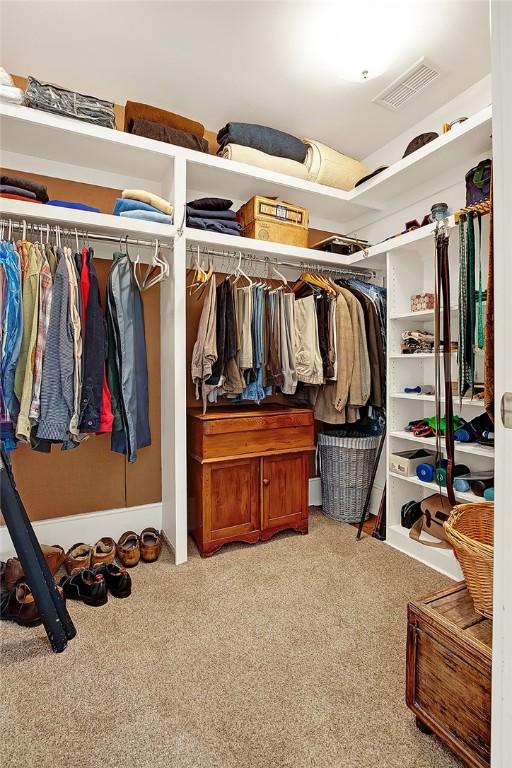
(12, 331)
(204, 353)
(45, 304)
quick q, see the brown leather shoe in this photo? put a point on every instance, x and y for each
(104, 551)
(78, 557)
(150, 545)
(14, 572)
(19, 605)
(128, 549)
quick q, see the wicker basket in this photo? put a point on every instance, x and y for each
(470, 530)
(345, 469)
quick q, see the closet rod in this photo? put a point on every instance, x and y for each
(65, 231)
(317, 267)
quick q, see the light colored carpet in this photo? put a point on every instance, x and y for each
(287, 654)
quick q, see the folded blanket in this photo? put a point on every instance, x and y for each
(210, 204)
(135, 109)
(148, 197)
(262, 160)
(5, 78)
(122, 204)
(160, 132)
(19, 197)
(208, 214)
(54, 98)
(11, 94)
(17, 191)
(74, 206)
(214, 225)
(327, 166)
(268, 140)
(39, 190)
(161, 218)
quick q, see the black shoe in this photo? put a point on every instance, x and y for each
(86, 585)
(118, 580)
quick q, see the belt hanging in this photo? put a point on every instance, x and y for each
(480, 310)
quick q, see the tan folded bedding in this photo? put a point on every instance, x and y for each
(261, 160)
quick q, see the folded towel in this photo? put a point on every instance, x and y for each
(262, 160)
(54, 98)
(5, 78)
(210, 204)
(268, 140)
(205, 213)
(160, 132)
(11, 94)
(17, 191)
(327, 166)
(148, 197)
(214, 225)
(39, 190)
(19, 197)
(74, 206)
(161, 218)
(122, 204)
(135, 109)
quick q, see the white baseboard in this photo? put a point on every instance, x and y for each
(88, 527)
(315, 495)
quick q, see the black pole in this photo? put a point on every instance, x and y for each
(379, 532)
(370, 484)
(54, 615)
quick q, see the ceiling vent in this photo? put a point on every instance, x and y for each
(405, 87)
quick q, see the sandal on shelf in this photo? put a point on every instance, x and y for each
(150, 545)
(128, 549)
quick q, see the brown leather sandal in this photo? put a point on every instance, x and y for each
(78, 557)
(104, 551)
(128, 549)
(150, 545)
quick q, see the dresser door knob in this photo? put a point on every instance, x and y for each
(266, 481)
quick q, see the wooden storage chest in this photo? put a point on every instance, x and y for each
(265, 219)
(248, 472)
(449, 649)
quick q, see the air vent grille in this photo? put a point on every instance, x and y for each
(405, 87)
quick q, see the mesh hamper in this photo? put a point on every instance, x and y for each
(345, 471)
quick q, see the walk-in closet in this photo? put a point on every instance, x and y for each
(255, 384)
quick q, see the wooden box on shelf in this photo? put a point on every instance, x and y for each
(449, 649)
(263, 218)
(248, 472)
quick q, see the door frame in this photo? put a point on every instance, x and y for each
(501, 51)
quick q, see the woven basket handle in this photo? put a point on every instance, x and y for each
(415, 533)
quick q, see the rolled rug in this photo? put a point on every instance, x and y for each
(39, 190)
(149, 198)
(263, 160)
(266, 139)
(327, 166)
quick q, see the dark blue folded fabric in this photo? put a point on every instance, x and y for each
(75, 206)
(215, 225)
(210, 204)
(207, 214)
(124, 204)
(268, 140)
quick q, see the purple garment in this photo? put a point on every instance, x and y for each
(11, 190)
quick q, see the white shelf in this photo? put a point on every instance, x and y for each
(472, 448)
(442, 560)
(86, 220)
(431, 399)
(434, 488)
(418, 356)
(422, 316)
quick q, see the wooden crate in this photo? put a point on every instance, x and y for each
(448, 687)
(263, 218)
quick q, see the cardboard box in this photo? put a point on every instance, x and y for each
(405, 462)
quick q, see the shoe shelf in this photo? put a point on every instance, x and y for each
(442, 560)
(434, 488)
(466, 401)
(424, 315)
(474, 449)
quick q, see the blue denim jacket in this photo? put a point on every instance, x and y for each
(12, 331)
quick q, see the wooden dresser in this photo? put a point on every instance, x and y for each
(449, 649)
(248, 471)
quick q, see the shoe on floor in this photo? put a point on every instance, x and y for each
(86, 585)
(150, 545)
(128, 549)
(118, 581)
(77, 558)
(104, 551)
(19, 605)
(54, 556)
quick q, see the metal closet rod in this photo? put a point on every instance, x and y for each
(66, 232)
(304, 266)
